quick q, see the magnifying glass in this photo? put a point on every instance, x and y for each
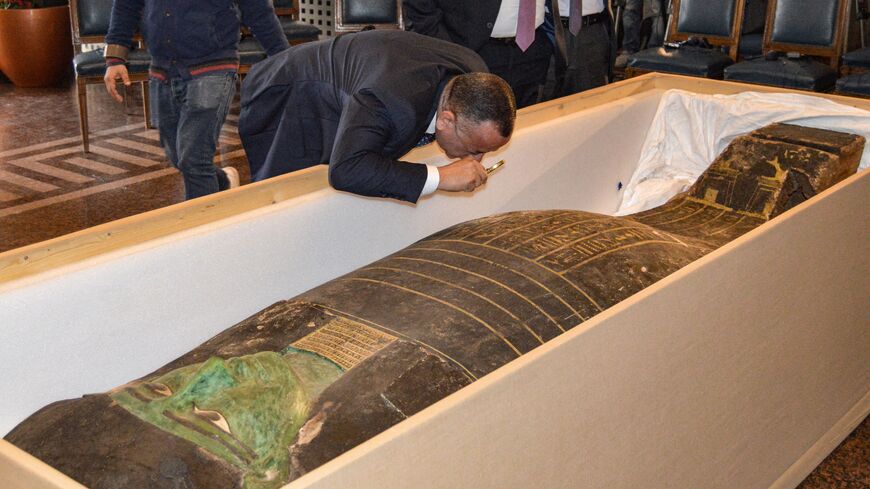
(493, 168)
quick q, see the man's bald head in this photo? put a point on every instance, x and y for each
(481, 97)
(476, 115)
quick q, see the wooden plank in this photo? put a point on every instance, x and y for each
(34, 165)
(702, 85)
(123, 157)
(20, 470)
(25, 182)
(8, 196)
(145, 148)
(95, 166)
(91, 242)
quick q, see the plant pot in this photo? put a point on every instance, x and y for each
(35, 45)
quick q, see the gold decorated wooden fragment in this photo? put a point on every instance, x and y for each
(345, 342)
(757, 177)
(307, 379)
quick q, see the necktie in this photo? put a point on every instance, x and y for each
(575, 16)
(426, 139)
(526, 24)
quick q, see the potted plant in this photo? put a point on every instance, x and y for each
(35, 43)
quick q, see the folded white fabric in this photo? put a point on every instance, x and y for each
(690, 130)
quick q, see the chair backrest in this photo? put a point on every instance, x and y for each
(754, 14)
(355, 15)
(89, 20)
(286, 8)
(717, 21)
(808, 27)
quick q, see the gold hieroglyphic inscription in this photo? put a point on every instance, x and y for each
(582, 250)
(560, 237)
(345, 342)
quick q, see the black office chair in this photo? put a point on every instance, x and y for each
(798, 34)
(855, 72)
(857, 61)
(90, 24)
(297, 32)
(250, 53)
(695, 25)
(855, 85)
(752, 31)
(356, 15)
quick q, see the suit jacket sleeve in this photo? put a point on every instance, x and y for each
(357, 163)
(425, 17)
(260, 17)
(125, 18)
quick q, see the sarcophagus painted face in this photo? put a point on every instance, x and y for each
(307, 379)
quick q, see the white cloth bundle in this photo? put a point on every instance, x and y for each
(690, 130)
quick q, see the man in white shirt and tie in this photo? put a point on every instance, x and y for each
(589, 45)
(507, 34)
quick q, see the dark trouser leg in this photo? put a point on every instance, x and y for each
(632, 17)
(658, 12)
(205, 103)
(588, 61)
(526, 71)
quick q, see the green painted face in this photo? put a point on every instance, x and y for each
(246, 410)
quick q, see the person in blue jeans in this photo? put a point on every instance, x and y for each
(193, 74)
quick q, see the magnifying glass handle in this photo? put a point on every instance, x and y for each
(493, 168)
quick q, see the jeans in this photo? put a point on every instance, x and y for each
(189, 115)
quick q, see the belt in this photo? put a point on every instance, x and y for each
(588, 19)
(512, 39)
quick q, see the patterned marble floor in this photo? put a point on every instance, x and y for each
(49, 187)
(848, 467)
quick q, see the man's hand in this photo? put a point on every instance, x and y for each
(115, 74)
(462, 175)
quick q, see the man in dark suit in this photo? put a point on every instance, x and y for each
(589, 45)
(360, 101)
(490, 28)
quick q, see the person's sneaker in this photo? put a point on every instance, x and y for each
(232, 176)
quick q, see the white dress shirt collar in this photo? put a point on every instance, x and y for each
(506, 21)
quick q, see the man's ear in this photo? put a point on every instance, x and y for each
(446, 119)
